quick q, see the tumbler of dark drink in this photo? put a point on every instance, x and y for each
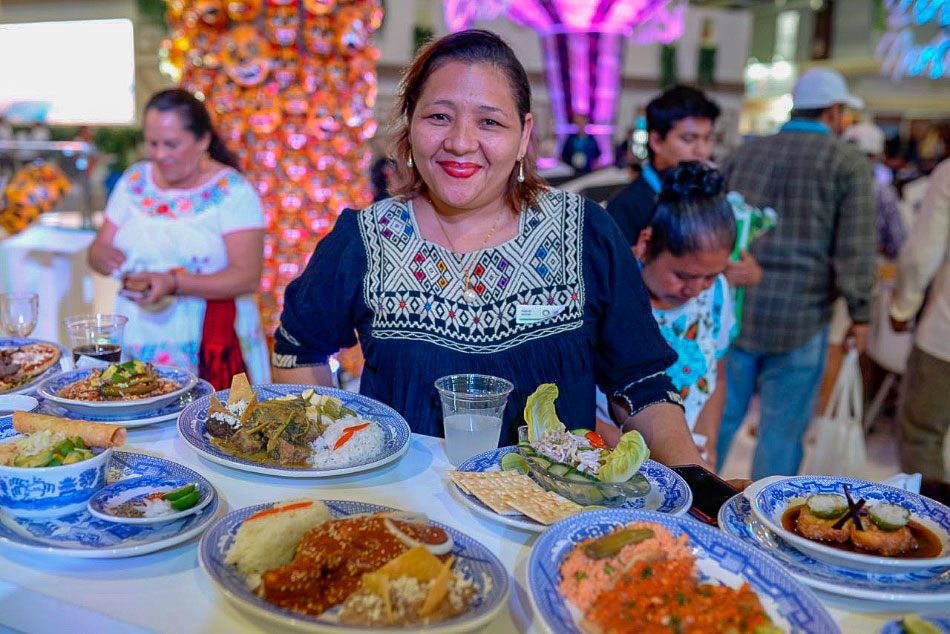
(96, 336)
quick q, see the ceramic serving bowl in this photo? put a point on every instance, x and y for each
(103, 410)
(772, 497)
(590, 492)
(51, 491)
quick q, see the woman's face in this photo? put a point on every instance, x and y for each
(174, 150)
(466, 135)
(673, 281)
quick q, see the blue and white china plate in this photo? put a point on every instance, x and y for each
(157, 414)
(669, 493)
(719, 558)
(771, 498)
(191, 428)
(49, 390)
(941, 620)
(29, 386)
(922, 586)
(103, 502)
(10, 403)
(82, 535)
(472, 559)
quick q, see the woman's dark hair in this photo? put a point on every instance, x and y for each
(677, 103)
(692, 213)
(194, 116)
(474, 46)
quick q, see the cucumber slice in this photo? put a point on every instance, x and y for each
(578, 476)
(540, 461)
(826, 506)
(581, 431)
(889, 517)
(526, 449)
(559, 469)
(514, 462)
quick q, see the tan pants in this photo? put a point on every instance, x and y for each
(925, 415)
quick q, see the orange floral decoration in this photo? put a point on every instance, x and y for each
(291, 86)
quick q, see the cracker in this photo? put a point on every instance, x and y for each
(546, 509)
(462, 478)
(497, 492)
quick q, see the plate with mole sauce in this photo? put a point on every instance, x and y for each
(856, 524)
(348, 567)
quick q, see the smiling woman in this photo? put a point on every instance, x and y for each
(445, 276)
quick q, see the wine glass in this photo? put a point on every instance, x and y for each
(18, 313)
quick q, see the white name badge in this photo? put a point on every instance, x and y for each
(529, 313)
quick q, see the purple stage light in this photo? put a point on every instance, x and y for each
(583, 43)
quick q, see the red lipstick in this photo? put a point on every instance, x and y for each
(459, 170)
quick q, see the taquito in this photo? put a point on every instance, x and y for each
(93, 434)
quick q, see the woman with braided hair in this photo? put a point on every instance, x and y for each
(686, 250)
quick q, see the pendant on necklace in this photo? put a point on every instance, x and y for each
(470, 296)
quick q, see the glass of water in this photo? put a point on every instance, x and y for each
(472, 410)
(18, 313)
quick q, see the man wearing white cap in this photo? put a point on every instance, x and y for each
(869, 138)
(822, 247)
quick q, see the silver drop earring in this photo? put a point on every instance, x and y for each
(409, 163)
(521, 171)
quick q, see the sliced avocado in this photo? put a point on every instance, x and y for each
(41, 459)
(73, 457)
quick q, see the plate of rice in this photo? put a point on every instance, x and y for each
(370, 435)
(308, 565)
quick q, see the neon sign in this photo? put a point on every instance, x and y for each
(900, 54)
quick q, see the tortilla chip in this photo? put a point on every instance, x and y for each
(438, 589)
(240, 389)
(217, 407)
(378, 584)
(416, 562)
(251, 406)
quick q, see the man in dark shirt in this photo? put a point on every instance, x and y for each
(822, 246)
(680, 127)
(580, 150)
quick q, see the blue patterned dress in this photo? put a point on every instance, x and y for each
(374, 277)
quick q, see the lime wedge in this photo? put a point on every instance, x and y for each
(626, 458)
(913, 624)
(514, 462)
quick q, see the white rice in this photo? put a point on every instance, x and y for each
(365, 444)
(270, 541)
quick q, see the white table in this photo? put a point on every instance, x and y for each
(167, 591)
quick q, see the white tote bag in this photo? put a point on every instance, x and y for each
(839, 448)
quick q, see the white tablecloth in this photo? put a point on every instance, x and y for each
(51, 261)
(167, 591)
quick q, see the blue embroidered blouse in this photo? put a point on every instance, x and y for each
(374, 277)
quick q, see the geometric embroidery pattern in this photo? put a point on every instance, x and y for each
(414, 287)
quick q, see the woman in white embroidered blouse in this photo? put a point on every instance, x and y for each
(189, 229)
